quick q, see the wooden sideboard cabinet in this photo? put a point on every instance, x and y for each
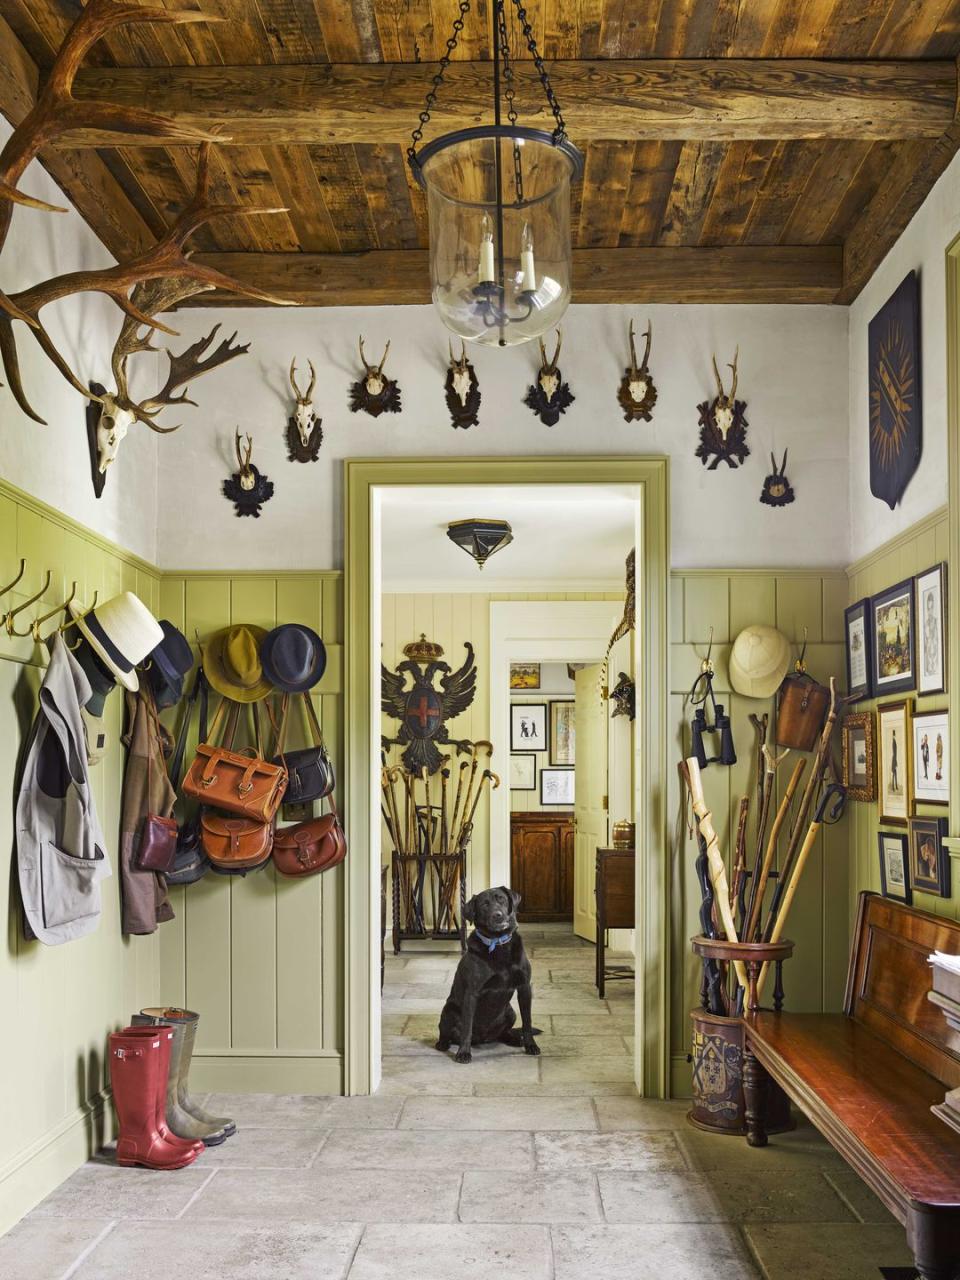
(541, 864)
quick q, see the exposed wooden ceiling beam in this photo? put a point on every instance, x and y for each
(719, 99)
(85, 179)
(783, 273)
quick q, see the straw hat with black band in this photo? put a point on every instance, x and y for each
(759, 661)
(121, 632)
(294, 658)
(231, 663)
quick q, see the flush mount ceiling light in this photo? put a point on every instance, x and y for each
(498, 204)
(480, 538)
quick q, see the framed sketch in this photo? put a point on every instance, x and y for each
(929, 859)
(563, 732)
(523, 771)
(931, 757)
(556, 787)
(894, 877)
(859, 650)
(524, 675)
(528, 726)
(896, 426)
(893, 640)
(893, 763)
(858, 733)
(932, 630)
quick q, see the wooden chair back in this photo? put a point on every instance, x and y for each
(889, 981)
(616, 877)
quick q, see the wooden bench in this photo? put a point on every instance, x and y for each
(867, 1078)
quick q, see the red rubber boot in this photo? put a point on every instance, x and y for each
(165, 1035)
(136, 1079)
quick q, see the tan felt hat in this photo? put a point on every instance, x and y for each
(231, 663)
(121, 631)
(759, 660)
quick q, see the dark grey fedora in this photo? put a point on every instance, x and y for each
(293, 657)
(169, 663)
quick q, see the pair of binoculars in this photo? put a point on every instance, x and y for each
(721, 725)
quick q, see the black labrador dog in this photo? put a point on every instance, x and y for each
(493, 967)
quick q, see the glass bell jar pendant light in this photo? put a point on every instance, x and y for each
(498, 204)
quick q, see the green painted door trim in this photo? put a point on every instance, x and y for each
(361, 907)
(953, 511)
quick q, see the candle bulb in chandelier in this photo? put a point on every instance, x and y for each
(527, 269)
(485, 271)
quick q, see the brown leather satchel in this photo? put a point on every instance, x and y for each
(802, 711)
(239, 782)
(235, 844)
(310, 847)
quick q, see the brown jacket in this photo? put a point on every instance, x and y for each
(146, 789)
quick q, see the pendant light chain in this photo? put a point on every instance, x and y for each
(438, 79)
(560, 132)
(509, 93)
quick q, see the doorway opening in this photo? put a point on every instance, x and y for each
(402, 586)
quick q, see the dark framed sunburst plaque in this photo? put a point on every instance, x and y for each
(896, 419)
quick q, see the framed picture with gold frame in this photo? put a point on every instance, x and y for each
(859, 745)
(929, 859)
(894, 764)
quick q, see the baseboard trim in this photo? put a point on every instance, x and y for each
(40, 1168)
(680, 1076)
(267, 1073)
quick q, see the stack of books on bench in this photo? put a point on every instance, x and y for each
(946, 994)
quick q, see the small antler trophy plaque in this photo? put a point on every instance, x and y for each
(637, 394)
(550, 395)
(375, 393)
(247, 489)
(723, 424)
(304, 428)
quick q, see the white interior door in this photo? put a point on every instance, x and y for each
(621, 752)
(590, 804)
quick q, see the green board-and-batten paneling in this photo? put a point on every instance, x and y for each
(261, 955)
(726, 602)
(59, 1003)
(919, 547)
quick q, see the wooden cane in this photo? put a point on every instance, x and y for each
(468, 793)
(464, 764)
(740, 854)
(444, 829)
(718, 873)
(760, 727)
(425, 774)
(764, 859)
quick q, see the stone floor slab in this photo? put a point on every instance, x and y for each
(266, 1148)
(562, 1089)
(461, 1114)
(461, 1252)
(795, 1195)
(362, 1113)
(836, 1252)
(636, 1151)
(615, 1066)
(219, 1250)
(563, 1198)
(633, 1113)
(855, 1193)
(661, 1252)
(102, 1190)
(657, 1197)
(44, 1249)
(425, 1149)
(598, 1046)
(271, 1110)
(329, 1195)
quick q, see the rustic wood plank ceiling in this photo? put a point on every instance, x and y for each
(736, 150)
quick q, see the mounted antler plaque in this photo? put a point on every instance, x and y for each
(637, 394)
(723, 424)
(550, 396)
(304, 428)
(247, 489)
(462, 390)
(375, 393)
(777, 489)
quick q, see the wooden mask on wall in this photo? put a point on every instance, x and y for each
(896, 418)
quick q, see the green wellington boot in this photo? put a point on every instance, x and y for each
(189, 1021)
(179, 1120)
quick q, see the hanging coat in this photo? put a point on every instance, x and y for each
(61, 852)
(146, 789)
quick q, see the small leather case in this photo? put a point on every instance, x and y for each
(158, 844)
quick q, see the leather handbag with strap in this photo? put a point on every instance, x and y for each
(309, 769)
(190, 863)
(310, 847)
(157, 846)
(235, 844)
(241, 783)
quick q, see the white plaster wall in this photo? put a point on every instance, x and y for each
(793, 375)
(921, 247)
(52, 462)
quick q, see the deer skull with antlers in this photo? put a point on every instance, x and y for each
(247, 488)
(115, 412)
(462, 389)
(637, 394)
(375, 393)
(723, 424)
(550, 396)
(304, 429)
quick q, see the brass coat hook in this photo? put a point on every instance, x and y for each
(11, 585)
(8, 621)
(70, 622)
(37, 622)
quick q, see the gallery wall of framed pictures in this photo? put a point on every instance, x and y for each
(543, 752)
(896, 640)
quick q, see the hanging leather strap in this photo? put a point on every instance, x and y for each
(199, 692)
(314, 722)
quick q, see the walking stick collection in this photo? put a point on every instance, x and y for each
(430, 837)
(728, 908)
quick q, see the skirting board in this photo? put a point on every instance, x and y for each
(41, 1168)
(680, 1079)
(270, 1073)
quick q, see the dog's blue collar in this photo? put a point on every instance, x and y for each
(492, 943)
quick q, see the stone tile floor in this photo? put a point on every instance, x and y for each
(543, 1168)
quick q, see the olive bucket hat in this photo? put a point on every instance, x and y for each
(294, 658)
(231, 663)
